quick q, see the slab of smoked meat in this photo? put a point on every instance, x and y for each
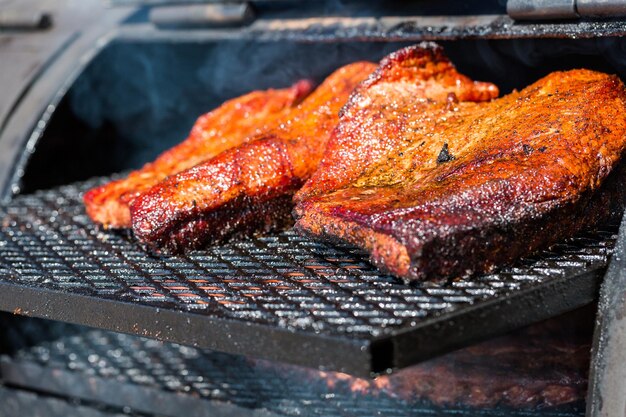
(414, 92)
(512, 176)
(248, 188)
(233, 123)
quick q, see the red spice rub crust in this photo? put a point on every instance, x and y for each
(247, 188)
(414, 91)
(233, 123)
(513, 175)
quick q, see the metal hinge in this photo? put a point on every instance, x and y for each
(24, 19)
(564, 9)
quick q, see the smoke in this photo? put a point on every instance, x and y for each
(517, 63)
(151, 93)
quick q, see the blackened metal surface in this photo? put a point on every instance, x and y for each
(608, 368)
(387, 28)
(281, 297)
(37, 68)
(149, 376)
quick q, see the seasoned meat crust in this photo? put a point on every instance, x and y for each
(233, 123)
(414, 92)
(247, 188)
(504, 179)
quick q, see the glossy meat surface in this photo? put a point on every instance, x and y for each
(504, 179)
(414, 92)
(233, 123)
(247, 188)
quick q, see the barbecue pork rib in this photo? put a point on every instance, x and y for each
(415, 91)
(233, 123)
(512, 176)
(250, 188)
(247, 188)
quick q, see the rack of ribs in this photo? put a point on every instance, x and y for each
(250, 188)
(247, 188)
(495, 182)
(414, 91)
(233, 123)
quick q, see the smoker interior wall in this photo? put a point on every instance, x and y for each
(137, 99)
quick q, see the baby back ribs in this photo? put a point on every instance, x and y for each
(512, 176)
(233, 123)
(247, 188)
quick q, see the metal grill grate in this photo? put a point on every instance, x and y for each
(149, 376)
(279, 297)
(16, 402)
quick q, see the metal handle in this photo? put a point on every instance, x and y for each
(24, 19)
(602, 8)
(564, 9)
(202, 15)
(541, 9)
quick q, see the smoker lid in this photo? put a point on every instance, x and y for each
(281, 297)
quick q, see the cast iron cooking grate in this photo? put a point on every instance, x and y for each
(281, 297)
(149, 376)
